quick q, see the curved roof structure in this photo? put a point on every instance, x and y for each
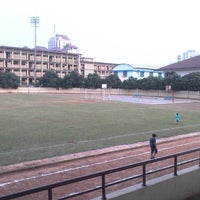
(123, 67)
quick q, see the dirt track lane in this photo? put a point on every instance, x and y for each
(38, 173)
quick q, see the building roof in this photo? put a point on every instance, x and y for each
(193, 63)
(40, 49)
(123, 67)
(127, 67)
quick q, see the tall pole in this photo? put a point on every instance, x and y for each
(35, 21)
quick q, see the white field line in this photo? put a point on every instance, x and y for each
(96, 140)
(89, 165)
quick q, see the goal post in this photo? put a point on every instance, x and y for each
(103, 87)
(170, 92)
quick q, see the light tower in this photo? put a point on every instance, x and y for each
(35, 21)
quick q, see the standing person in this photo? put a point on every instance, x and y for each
(153, 146)
(177, 117)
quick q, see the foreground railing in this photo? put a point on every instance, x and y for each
(102, 175)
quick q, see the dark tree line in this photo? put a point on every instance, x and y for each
(189, 82)
(8, 80)
(74, 80)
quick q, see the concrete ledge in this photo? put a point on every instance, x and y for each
(180, 187)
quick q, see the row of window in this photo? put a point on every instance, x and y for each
(142, 73)
(28, 56)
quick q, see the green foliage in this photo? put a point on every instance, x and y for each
(150, 83)
(50, 79)
(192, 81)
(131, 83)
(9, 80)
(92, 81)
(173, 79)
(66, 82)
(113, 81)
(74, 80)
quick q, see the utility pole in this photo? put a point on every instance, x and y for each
(35, 21)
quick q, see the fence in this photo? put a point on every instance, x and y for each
(131, 92)
(102, 175)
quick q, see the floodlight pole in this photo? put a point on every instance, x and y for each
(35, 21)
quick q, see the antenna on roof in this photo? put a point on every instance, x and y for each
(54, 29)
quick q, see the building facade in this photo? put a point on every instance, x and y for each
(21, 61)
(184, 67)
(89, 66)
(125, 71)
(61, 43)
(189, 54)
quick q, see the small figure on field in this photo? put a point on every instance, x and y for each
(153, 146)
(177, 117)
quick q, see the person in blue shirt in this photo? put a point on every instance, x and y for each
(177, 117)
(153, 146)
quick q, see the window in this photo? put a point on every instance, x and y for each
(151, 74)
(15, 62)
(50, 58)
(23, 62)
(141, 74)
(7, 54)
(160, 74)
(124, 73)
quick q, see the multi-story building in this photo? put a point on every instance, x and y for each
(187, 55)
(29, 68)
(125, 71)
(184, 67)
(89, 66)
(61, 42)
(21, 61)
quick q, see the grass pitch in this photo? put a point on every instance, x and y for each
(36, 126)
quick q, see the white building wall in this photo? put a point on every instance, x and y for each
(59, 41)
(51, 43)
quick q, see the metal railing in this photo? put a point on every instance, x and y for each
(49, 188)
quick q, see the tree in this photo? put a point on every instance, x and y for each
(73, 80)
(154, 83)
(66, 82)
(191, 81)
(76, 79)
(131, 83)
(173, 79)
(113, 81)
(50, 79)
(143, 84)
(92, 81)
(9, 80)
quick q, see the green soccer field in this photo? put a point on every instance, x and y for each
(36, 126)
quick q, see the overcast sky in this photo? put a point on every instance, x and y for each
(141, 32)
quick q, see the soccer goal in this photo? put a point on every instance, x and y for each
(170, 93)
